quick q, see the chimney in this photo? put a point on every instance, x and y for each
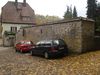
(16, 2)
(24, 3)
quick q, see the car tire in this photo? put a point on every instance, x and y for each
(16, 50)
(31, 52)
(21, 51)
(65, 53)
(46, 55)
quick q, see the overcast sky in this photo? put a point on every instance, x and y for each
(54, 7)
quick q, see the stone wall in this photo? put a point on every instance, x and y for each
(87, 36)
(0, 29)
(73, 32)
(97, 42)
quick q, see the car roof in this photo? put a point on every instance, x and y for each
(24, 41)
(47, 41)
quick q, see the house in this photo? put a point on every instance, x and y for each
(0, 27)
(15, 15)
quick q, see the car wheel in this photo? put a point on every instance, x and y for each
(65, 53)
(31, 52)
(46, 55)
(16, 50)
(21, 51)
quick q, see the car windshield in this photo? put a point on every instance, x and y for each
(26, 42)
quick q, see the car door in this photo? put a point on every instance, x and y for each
(37, 49)
(41, 48)
(46, 47)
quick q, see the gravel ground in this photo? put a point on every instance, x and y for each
(12, 63)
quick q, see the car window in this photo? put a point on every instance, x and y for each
(18, 43)
(61, 42)
(43, 43)
(55, 42)
(38, 43)
(22, 42)
(47, 44)
(26, 42)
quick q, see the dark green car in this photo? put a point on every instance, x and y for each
(49, 48)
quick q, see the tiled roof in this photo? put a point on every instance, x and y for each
(12, 13)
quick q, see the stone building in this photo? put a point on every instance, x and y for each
(15, 15)
(0, 28)
(77, 33)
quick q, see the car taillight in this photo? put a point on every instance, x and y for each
(53, 49)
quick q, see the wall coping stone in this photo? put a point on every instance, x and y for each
(62, 21)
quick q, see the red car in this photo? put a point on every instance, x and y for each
(24, 46)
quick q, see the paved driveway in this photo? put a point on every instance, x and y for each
(1, 46)
(12, 63)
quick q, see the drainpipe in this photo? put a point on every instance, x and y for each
(24, 3)
(1, 20)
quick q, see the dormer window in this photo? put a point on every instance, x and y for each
(25, 15)
(26, 18)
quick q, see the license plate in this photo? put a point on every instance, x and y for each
(61, 48)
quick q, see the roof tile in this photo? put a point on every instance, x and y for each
(17, 14)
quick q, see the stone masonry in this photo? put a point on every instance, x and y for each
(77, 33)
